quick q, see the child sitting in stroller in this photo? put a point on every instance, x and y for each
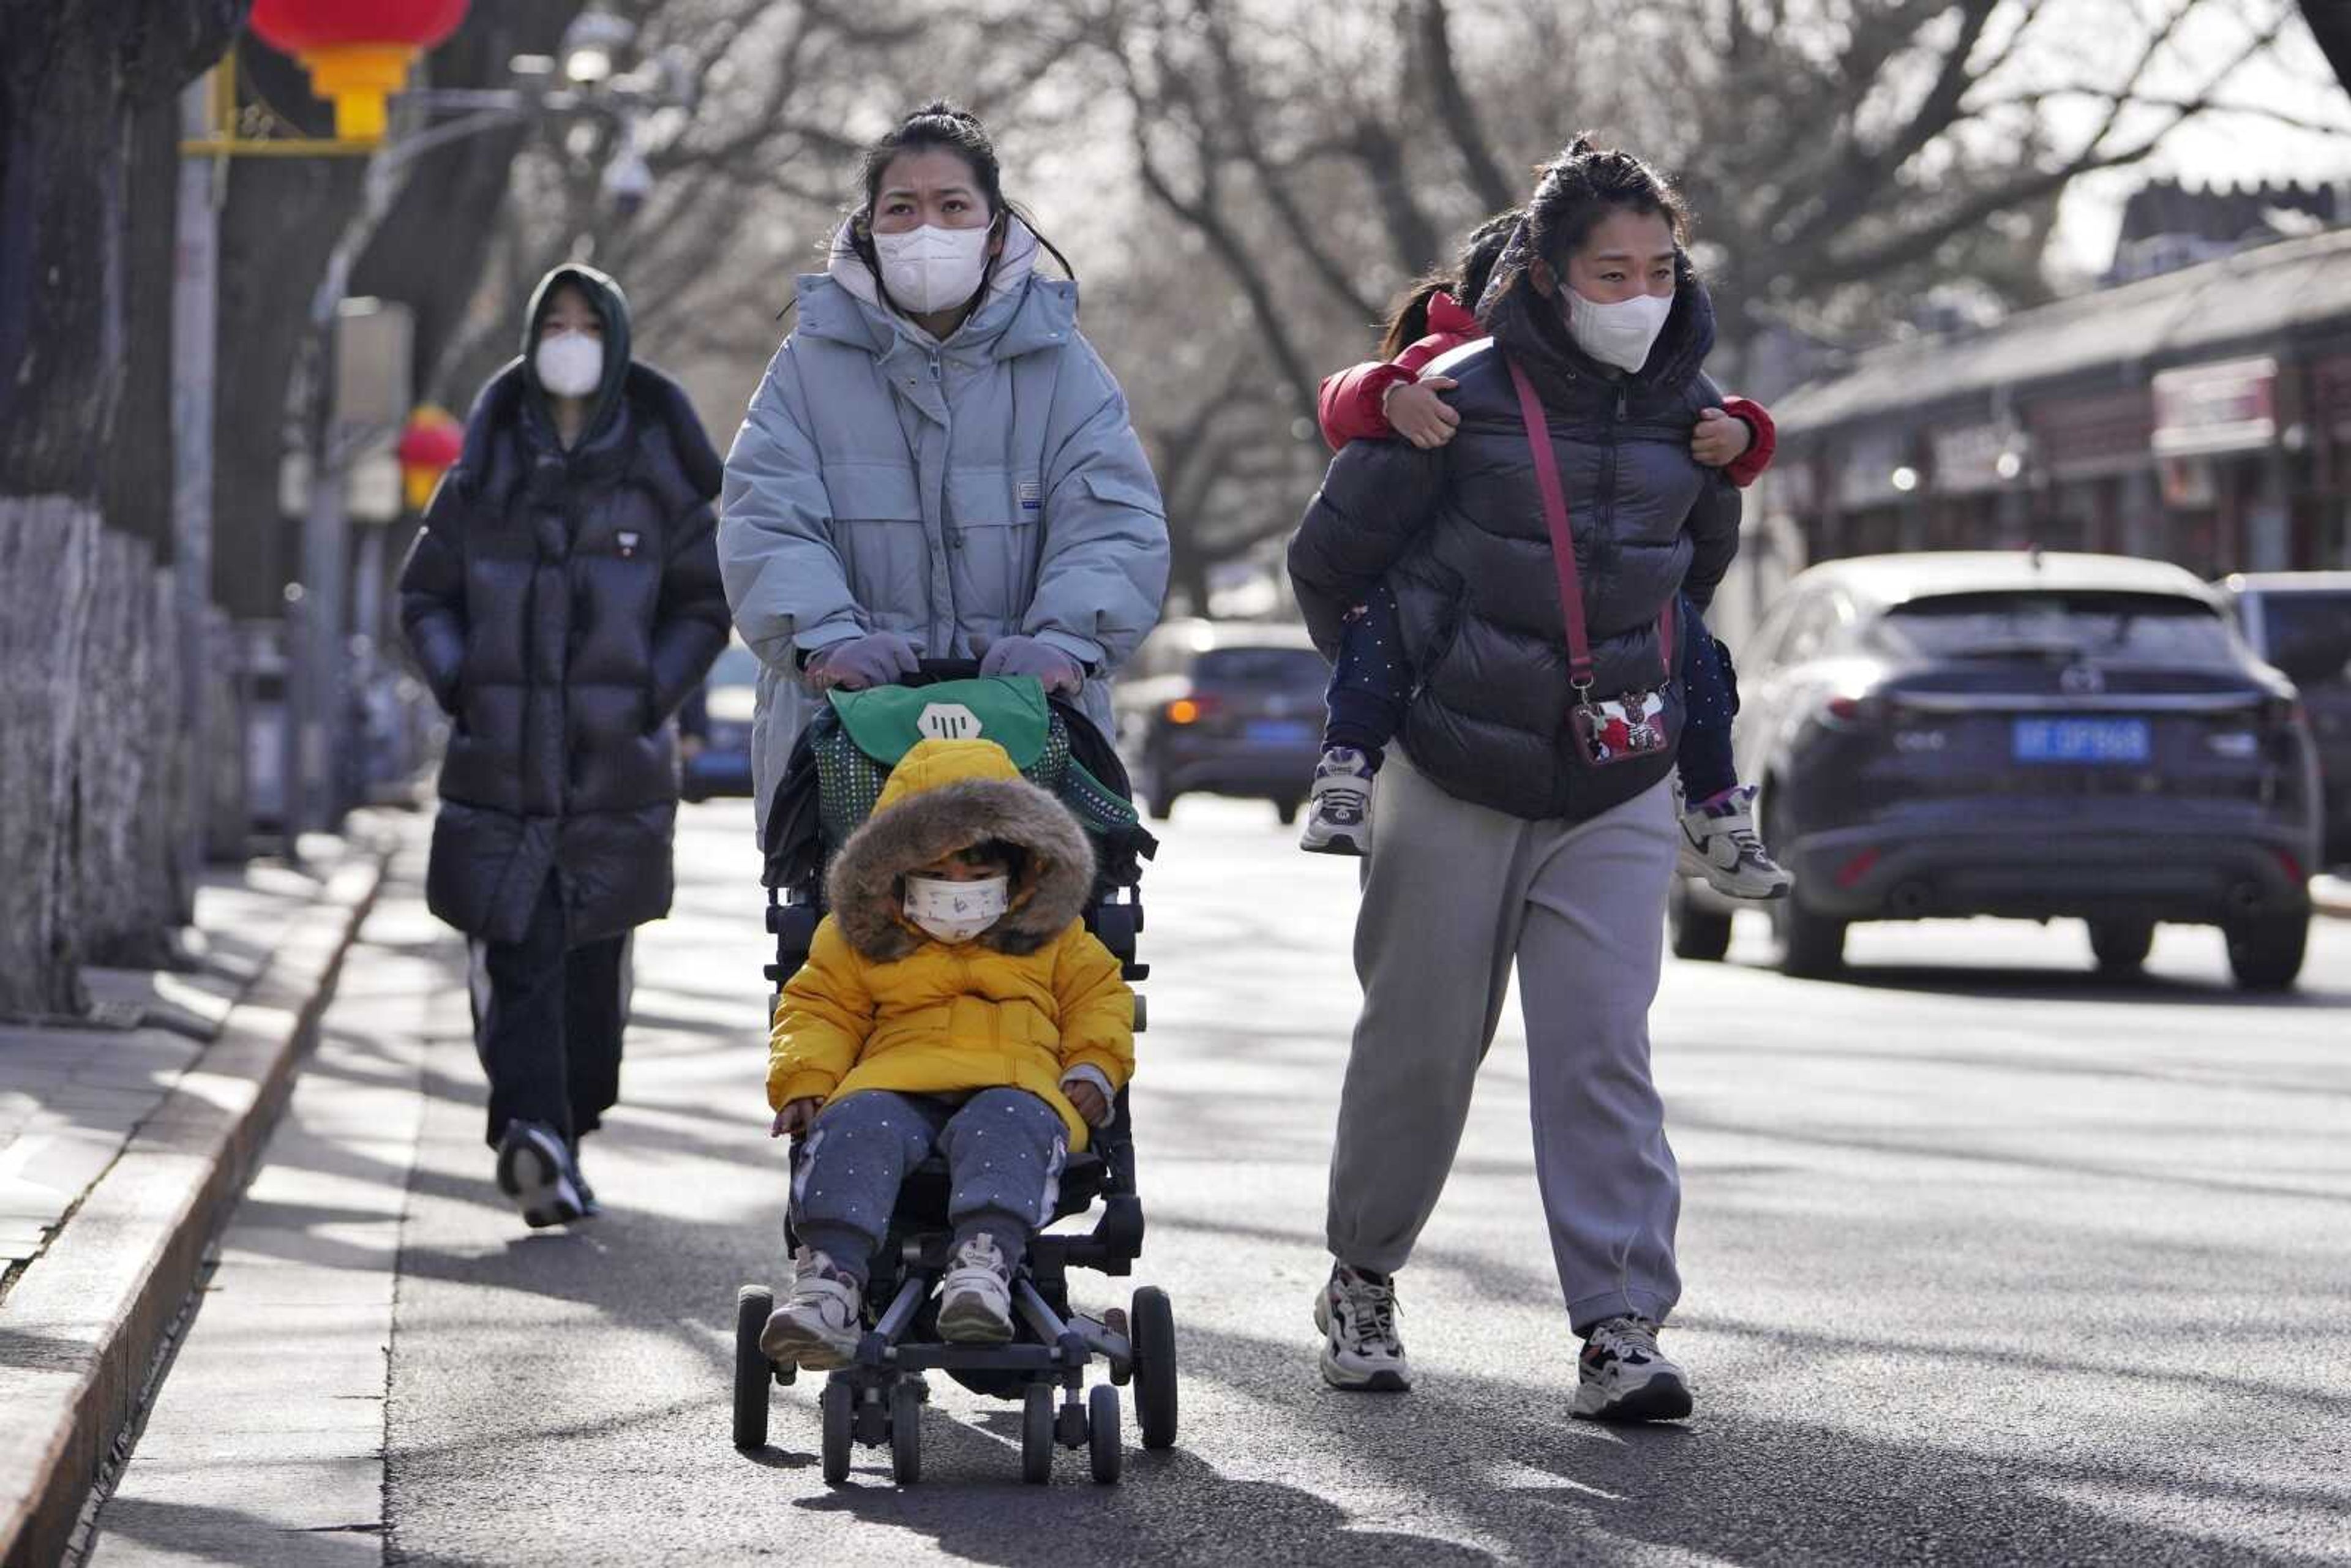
(952, 998)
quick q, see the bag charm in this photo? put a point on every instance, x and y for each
(1622, 728)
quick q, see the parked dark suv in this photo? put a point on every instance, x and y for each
(2301, 622)
(2027, 736)
(1223, 707)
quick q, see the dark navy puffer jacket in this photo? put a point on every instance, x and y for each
(562, 605)
(1458, 534)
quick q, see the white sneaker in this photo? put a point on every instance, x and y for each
(818, 1326)
(1361, 1348)
(1622, 1375)
(1340, 820)
(976, 1298)
(1720, 845)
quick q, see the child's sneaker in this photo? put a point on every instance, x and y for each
(817, 1327)
(1340, 821)
(1720, 845)
(1622, 1375)
(976, 1299)
(535, 1169)
(1361, 1348)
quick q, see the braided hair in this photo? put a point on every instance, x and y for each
(1408, 322)
(941, 126)
(1574, 192)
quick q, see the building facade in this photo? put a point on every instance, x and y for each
(2203, 416)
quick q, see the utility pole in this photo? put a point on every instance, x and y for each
(196, 310)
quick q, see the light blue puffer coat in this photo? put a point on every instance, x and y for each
(971, 489)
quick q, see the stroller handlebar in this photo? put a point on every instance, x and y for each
(928, 672)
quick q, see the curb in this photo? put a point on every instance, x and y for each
(2331, 895)
(81, 1329)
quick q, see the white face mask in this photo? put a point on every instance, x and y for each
(930, 268)
(569, 364)
(1621, 334)
(956, 911)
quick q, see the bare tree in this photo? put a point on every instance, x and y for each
(1846, 158)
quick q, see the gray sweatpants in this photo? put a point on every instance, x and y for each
(1453, 895)
(1005, 1150)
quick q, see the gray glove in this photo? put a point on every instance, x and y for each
(876, 659)
(1027, 657)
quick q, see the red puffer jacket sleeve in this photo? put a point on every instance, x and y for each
(1751, 463)
(1350, 405)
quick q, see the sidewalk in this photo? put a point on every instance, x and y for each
(121, 1149)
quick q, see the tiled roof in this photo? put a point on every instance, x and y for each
(2254, 295)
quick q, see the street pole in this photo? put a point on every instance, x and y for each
(195, 313)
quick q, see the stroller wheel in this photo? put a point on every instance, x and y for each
(1103, 1444)
(838, 1408)
(753, 1373)
(1037, 1434)
(1153, 1339)
(906, 1432)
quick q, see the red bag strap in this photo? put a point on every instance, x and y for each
(1562, 541)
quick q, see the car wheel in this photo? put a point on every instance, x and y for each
(1700, 935)
(1287, 809)
(1812, 945)
(1159, 803)
(2121, 946)
(2265, 955)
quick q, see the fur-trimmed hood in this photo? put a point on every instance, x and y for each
(944, 796)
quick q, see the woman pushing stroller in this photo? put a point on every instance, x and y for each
(937, 465)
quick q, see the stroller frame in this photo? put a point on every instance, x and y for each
(878, 1397)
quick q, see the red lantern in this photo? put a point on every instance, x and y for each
(358, 51)
(432, 443)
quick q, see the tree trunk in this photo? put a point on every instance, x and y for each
(75, 599)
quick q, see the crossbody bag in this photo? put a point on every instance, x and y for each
(1632, 724)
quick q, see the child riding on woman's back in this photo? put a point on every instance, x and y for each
(1400, 394)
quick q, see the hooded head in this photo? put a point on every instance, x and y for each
(611, 307)
(945, 796)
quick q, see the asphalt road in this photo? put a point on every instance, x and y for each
(1988, 1260)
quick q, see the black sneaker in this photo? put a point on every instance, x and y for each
(1340, 822)
(536, 1170)
(1622, 1375)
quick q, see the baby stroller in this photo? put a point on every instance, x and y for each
(834, 778)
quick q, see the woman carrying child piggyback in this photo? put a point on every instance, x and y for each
(1529, 820)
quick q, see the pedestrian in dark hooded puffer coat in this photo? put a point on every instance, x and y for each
(563, 601)
(1500, 846)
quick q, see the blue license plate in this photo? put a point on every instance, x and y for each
(2091, 740)
(1279, 732)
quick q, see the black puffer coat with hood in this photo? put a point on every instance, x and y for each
(1459, 533)
(562, 604)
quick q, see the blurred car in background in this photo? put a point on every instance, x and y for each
(2301, 623)
(715, 726)
(1223, 707)
(2027, 736)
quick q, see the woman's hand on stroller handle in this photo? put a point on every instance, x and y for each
(876, 659)
(1060, 675)
(795, 1118)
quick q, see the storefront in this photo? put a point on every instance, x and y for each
(2134, 420)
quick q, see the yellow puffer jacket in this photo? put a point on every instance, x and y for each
(881, 1004)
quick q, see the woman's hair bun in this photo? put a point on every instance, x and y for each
(940, 109)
